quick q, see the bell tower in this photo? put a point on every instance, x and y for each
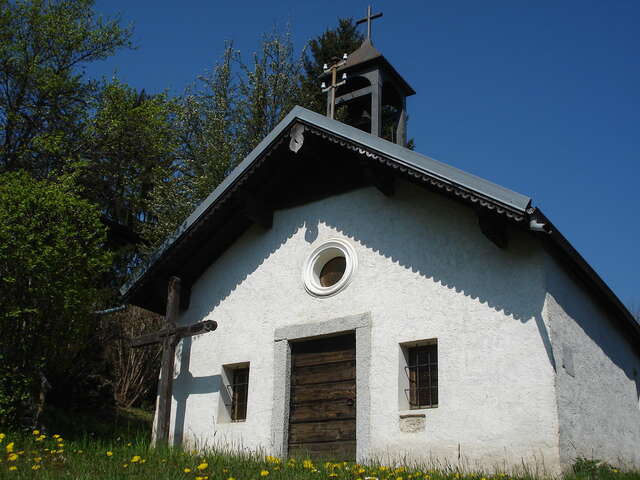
(374, 93)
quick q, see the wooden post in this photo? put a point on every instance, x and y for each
(168, 360)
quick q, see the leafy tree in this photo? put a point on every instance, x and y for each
(332, 43)
(51, 259)
(130, 146)
(206, 127)
(269, 89)
(44, 95)
(221, 119)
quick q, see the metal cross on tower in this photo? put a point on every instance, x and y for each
(368, 19)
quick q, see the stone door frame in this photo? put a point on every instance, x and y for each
(361, 325)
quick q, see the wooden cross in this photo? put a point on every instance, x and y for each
(169, 337)
(368, 19)
(333, 69)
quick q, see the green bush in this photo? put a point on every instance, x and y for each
(51, 257)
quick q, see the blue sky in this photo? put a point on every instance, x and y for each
(542, 97)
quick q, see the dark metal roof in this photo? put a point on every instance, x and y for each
(469, 188)
(367, 54)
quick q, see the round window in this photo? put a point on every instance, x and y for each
(329, 268)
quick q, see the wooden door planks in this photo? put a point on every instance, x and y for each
(322, 418)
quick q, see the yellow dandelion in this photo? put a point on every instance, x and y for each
(135, 459)
(125, 465)
(129, 444)
(398, 478)
(333, 474)
(187, 470)
(59, 439)
(2, 436)
(56, 436)
(361, 470)
(231, 478)
(202, 466)
(225, 470)
(264, 473)
(35, 467)
(307, 464)
(12, 457)
(61, 445)
(109, 453)
(36, 432)
(144, 460)
(60, 450)
(199, 478)
(9, 447)
(13, 468)
(37, 459)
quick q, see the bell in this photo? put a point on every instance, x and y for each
(364, 120)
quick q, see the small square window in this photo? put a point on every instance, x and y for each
(422, 371)
(239, 390)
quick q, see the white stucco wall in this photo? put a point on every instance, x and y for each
(425, 272)
(598, 376)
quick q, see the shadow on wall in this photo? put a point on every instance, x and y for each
(597, 324)
(419, 230)
(185, 384)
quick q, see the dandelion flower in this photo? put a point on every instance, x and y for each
(203, 466)
(37, 459)
(226, 470)
(361, 470)
(13, 468)
(2, 436)
(129, 444)
(56, 436)
(135, 459)
(125, 465)
(12, 457)
(187, 470)
(144, 460)
(231, 478)
(35, 467)
(333, 474)
(264, 473)
(109, 453)
(36, 432)
(9, 447)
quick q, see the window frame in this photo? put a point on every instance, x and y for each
(414, 371)
(239, 393)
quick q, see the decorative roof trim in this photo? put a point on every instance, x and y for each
(438, 182)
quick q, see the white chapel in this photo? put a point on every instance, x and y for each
(374, 303)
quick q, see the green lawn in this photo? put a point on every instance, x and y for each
(116, 446)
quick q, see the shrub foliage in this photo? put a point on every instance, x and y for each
(51, 256)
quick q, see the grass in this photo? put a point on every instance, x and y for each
(116, 446)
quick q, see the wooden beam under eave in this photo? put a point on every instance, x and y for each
(381, 179)
(257, 210)
(495, 230)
